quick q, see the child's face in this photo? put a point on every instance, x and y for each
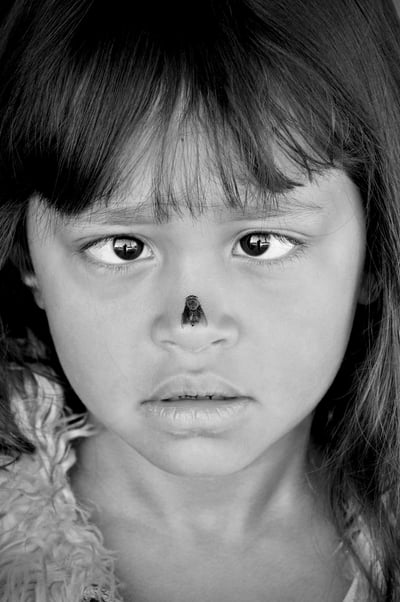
(277, 323)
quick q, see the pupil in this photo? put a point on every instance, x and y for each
(127, 248)
(255, 244)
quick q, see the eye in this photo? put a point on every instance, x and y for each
(272, 246)
(117, 250)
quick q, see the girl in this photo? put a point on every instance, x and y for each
(200, 242)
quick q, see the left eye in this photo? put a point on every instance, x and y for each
(273, 246)
(118, 250)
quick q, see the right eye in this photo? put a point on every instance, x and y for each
(117, 250)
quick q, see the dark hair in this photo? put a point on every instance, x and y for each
(88, 89)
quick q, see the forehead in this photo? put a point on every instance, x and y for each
(306, 200)
(165, 178)
(184, 175)
(327, 202)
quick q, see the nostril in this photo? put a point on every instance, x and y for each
(216, 335)
(207, 345)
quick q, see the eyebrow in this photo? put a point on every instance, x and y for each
(143, 213)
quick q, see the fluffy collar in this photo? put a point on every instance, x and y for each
(49, 551)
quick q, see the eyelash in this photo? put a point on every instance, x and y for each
(299, 248)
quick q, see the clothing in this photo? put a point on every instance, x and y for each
(49, 550)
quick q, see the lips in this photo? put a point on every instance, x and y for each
(198, 397)
(184, 387)
(205, 405)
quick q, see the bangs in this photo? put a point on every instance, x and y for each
(103, 96)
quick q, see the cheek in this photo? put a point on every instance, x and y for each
(99, 343)
(321, 328)
(305, 332)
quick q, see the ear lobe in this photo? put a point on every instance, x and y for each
(369, 289)
(31, 282)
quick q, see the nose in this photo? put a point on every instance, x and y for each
(216, 329)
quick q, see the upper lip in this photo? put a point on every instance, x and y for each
(205, 385)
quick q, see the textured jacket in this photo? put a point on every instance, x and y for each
(49, 551)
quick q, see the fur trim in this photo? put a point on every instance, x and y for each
(49, 551)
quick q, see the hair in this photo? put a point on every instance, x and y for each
(90, 94)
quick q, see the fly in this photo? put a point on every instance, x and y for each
(193, 312)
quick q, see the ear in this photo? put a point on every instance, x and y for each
(31, 282)
(369, 289)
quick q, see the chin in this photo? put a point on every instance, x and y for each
(199, 458)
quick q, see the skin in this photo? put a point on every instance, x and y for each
(276, 330)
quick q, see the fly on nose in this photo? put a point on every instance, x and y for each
(193, 313)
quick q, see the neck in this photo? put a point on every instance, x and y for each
(124, 485)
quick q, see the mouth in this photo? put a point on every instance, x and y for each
(206, 403)
(187, 387)
(199, 397)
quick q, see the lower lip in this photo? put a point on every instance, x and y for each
(197, 414)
